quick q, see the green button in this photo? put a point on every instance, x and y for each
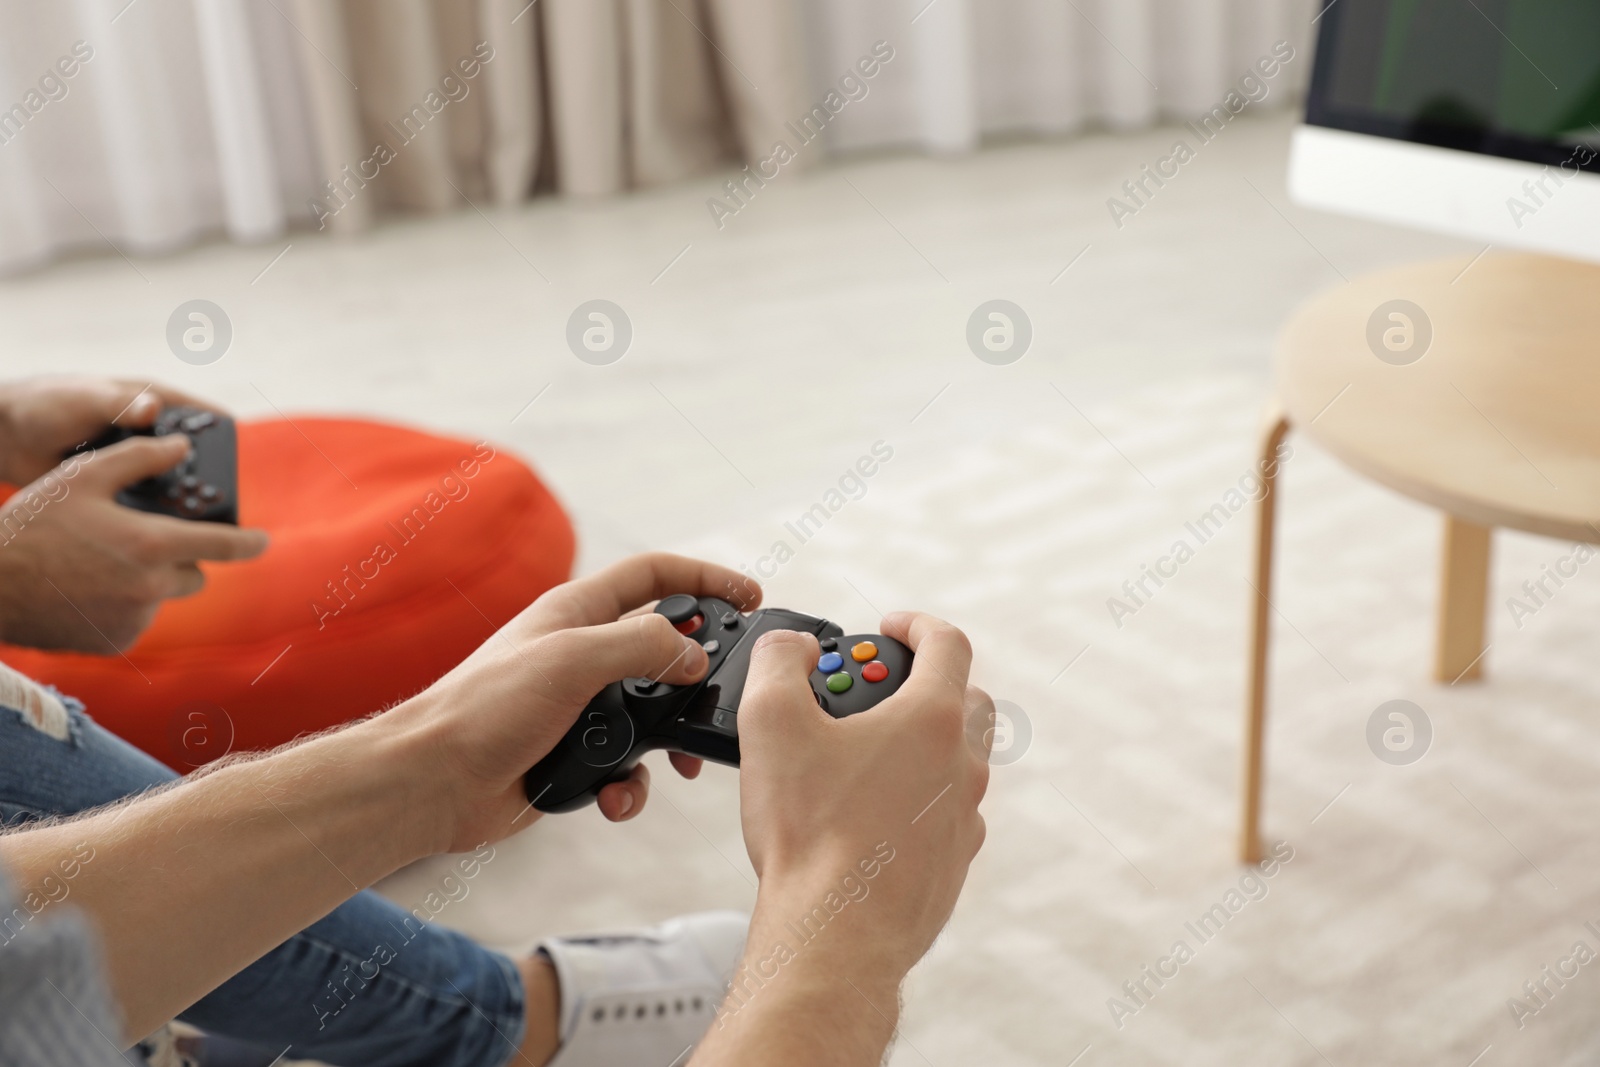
(838, 683)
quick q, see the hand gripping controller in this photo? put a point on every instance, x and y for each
(633, 716)
(204, 487)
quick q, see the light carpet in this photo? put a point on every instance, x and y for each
(1418, 899)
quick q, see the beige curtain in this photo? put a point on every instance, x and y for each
(485, 99)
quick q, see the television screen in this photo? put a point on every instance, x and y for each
(1513, 78)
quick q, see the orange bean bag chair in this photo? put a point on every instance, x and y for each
(394, 554)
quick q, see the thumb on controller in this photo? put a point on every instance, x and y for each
(778, 685)
(644, 646)
(133, 460)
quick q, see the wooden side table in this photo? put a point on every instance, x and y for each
(1470, 386)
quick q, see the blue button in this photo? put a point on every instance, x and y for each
(830, 662)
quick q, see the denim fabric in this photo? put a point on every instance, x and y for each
(367, 986)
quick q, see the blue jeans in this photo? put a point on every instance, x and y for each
(436, 998)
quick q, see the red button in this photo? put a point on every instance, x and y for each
(874, 671)
(689, 626)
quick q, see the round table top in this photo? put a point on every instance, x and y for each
(1470, 386)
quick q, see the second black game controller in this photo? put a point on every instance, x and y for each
(205, 486)
(631, 717)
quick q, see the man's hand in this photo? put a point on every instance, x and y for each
(861, 830)
(191, 883)
(80, 571)
(505, 706)
(42, 418)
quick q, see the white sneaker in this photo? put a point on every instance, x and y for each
(174, 1045)
(643, 996)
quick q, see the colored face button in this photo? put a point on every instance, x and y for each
(874, 672)
(838, 683)
(863, 651)
(830, 662)
(689, 626)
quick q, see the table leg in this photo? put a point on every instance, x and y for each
(1463, 601)
(1255, 719)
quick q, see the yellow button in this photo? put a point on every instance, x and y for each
(863, 651)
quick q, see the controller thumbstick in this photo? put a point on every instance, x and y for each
(683, 612)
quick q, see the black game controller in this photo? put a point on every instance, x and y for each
(204, 487)
(633, 716)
